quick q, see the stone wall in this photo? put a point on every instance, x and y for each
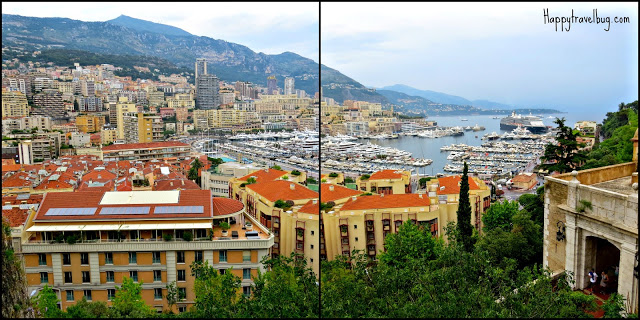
(553, 250)
(596, 175)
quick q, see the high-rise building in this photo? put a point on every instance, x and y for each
(201, 67)
(289, 83)
(207, 95)
(272, 87)
(14, 104)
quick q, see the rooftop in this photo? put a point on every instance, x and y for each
(282, 190)
(620, 185)
(145, 145)
(387, 201)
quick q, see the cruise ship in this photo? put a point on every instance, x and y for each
(530, 122)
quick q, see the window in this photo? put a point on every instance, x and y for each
(87, 294)
(66, 259)
(356, 238)
(86, 277)
(180, 257)
(198, 255)
(157, 293)
(182, 309)
(84, 258)
(246, 273)
(182, 275)
(311, 260)
(201, 233)
(133, 275)
(182, 293)
(246, 256)
(223, 255)
(69, 295)
(246, 291)
(157, 275)
(111, 293)
(222, 271)
(110, 276)
(156, 257)
(133, 258)
(44, 277)
(67, 277)
(108, 258)
(355, 226)
(42, 259)
(311, 246)
(311, 232)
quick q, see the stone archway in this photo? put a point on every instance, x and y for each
(602, 255)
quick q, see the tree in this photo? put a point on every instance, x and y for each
(499, 215)
(465, 230)
(287, 290)
(46, 301)
(84, 309)
(216, 294)
(277, 167)
(75, 105)
(564, 156)
(215, 162)
(172, 295)
(128, 301)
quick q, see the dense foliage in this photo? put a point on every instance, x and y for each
(564, 156)
(617, 129)
(464, 211)
(422, 277)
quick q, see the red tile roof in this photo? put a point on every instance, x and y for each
(92, 200)
(224, 206)
(524, 178)
(386, 174)
(310, 207)
(99, 175)
(451, 186)
(281, 190)
(265, 175)
(174, 184)
(144, 145)
(339, 192)
(12, 199)
(388, 201)
(17, 180)
(15, 216)
(8, 162)
(10, 167)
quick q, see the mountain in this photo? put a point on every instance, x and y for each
(229, 61)
(446, 98)
(143, 25)
(340, 87)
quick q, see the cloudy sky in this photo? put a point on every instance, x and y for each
(500, 52)
(264, 27)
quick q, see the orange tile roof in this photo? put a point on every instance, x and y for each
(12, 199)
(339, 192)
(98, 175)
(281, 190)
(144, 145)
(388, 201)
(8, 162)
(524, 178)
(264, 175)
(385, 174)
(224, 206)
(10, 167)
(174, 184)
(310, 207)
(90, 199)
(17, 180)
(15, 216)
(53, 185)
(451, 185)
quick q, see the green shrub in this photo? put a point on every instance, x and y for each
(167, 237)
(187, 236)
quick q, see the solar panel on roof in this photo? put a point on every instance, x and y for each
(7, 207)
(179, 209)
(71, 211)
(125, 210)
(27, 206)
(23, 196)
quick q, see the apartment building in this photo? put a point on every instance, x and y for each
(387, 182)
(170, 151)
(217, 180)
(14, 104)
(90, 123)
(151, 237)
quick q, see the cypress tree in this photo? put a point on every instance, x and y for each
(464, 212)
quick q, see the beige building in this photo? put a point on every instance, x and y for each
(123, 106)
(89, 123)
(387, 182)
(14, 104)
(181, 100)
(605, 236)
(125, 234)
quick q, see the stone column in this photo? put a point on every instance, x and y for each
(208, 256)
(572, 191)
(171, 266)
(94, 265)
(572, 252)
(627, 283)
(56, 263)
